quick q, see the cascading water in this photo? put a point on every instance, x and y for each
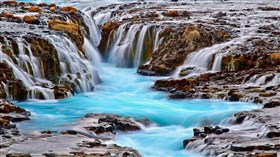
(210, 58)
(126, 93)
(129, 48)
(74, 68)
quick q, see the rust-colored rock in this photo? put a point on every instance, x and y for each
(52, 9)
(31, 20)
(69, 9)
(107, 29)
(171, 13)
(35, 9)
(74, 31)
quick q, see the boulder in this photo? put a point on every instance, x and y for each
(31, 20)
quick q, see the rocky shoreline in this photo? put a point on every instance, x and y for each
(252, 133)
(89, 137)
(248, 71)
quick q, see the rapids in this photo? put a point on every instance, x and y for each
(126, 93)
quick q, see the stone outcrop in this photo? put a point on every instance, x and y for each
(110, 123)
(72, 30)
(9, 114)
(253, 133)
(177, 44)
(89, 137)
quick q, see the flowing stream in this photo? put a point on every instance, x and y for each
(126, 93)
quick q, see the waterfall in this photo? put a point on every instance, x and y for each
(121, 47)
(27, 69)
(74, 66)
(140, 44)
(209, 58)
(94, 31)
(133, 44)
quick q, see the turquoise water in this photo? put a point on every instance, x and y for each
(126, 93)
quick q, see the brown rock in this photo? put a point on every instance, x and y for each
(107, 29)
(69, 9)
(52, 9)
(31, 20)
(171, 13)
(35, 9)
(73, 30)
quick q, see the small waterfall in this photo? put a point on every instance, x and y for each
(132, 45)
(102, 18)
(94, 31)
(74, 67)
(157, 38)
(139, 46)
(92, 53)
(121, 47)
(209, 58)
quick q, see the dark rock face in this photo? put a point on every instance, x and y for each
(14, 86)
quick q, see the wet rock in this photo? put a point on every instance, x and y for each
(271, 104)
(272, 134)
(31, 20)
(107, 30)
(69, 9)
(74, 31)
(219, 14)
(18, 155)
(265, 154)
(69, 132)
(187, 141)
(46, 132)
(110, 123)
(171, 13)
(35, 9)
(260, 134)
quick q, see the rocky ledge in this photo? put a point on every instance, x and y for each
(90, 136)
(9, 115)
(253, 133)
